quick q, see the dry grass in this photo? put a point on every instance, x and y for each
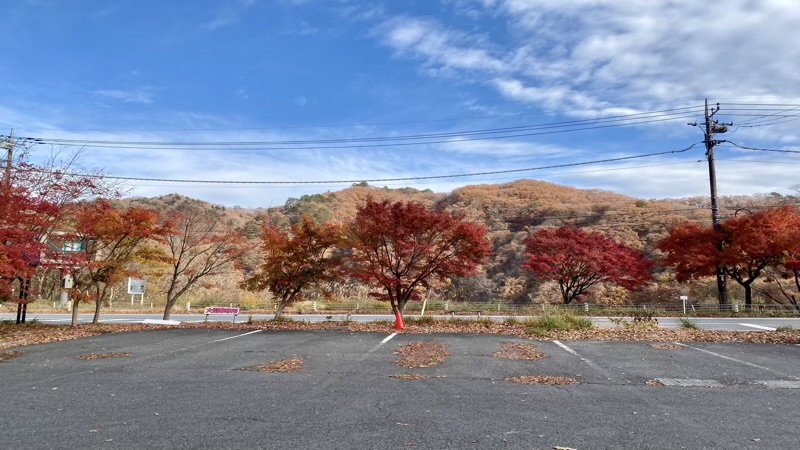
(518, 352)
(282, 366)
(94, 356)
(546, 380)
(421, 355)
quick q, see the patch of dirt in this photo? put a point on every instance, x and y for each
(5, 356)
(547, 380)
(666, 346)
(414, 376)
(282, 366)
(518, 352)
(654, 383)
(421, 355)
(94, 356)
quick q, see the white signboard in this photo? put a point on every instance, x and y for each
(136, 286)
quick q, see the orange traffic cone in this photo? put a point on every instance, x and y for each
(398, 321)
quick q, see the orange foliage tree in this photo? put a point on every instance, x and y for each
(745, 247)
(110, 240)
(199, 244)
(578, 260)
(402, 248)
(293, 261)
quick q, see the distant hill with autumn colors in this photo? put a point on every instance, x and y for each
(510, 211)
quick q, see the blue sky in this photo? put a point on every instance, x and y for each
(214, 71)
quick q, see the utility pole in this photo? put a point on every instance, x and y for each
(710, 129)
(9, 144)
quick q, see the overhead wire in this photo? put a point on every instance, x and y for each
(431, 177)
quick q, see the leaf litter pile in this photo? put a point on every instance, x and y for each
(410, 376)
(518, 352)
(421, 355)
(654, 383)
(665, 346)
(290, 365)
(29, 334)
(546, 380)
(5, 356)
(94, 356)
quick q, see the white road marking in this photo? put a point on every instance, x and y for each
(388, 338)
(779, 384)
(738, 361)
(689, 382)
(380, 344)
(569, 350)
(234, 337)
(760, 327)
(588, 362)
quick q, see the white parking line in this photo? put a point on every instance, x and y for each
(760, 327)
(738, 361)
(380, 344)
(234, 337)
(569, 350)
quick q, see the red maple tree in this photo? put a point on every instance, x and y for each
(578, 260)
(110, 241)
(402, 248)
(744, 247)
(293, 261)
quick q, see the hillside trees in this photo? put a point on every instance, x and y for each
(578, 260)
(402, 248)
(111, 240)
(745, 247)
(200, 243)
(297, 259)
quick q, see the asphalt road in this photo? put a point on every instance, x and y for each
(182, 388)
(705, 323)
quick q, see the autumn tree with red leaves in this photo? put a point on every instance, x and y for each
(578, 260)
(402, 248)
(749, 244)
(111, 240)
(37, 201)
(200, 244)
(293, 261)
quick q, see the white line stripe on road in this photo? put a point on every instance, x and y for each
(738, 361)
(569, 350)
(760, 327)
(234, 337)
(380, 344)
(388, 338)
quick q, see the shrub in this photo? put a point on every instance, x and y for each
(687, 324)
(559, 321)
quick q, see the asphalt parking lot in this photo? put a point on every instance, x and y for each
(185, 388)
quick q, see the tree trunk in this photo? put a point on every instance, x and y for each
(96, 318)
(279, 309)
(75, 303)
(170, 302)
(748, 295)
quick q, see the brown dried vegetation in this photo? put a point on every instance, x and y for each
(5, 356)
(413, 376)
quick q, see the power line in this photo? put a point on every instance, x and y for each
(496, 133)
(743, 147)
(377, 180)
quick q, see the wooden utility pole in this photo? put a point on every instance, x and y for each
(710, 129)
(9, 144)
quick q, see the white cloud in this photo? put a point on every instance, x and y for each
(608, 53)
(142, 96)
